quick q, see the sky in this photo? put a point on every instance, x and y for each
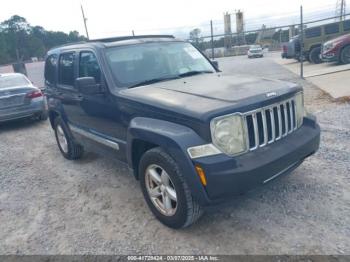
(107, 18)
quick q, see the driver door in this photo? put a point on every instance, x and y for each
(97, 115)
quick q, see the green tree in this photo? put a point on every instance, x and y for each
(21, 41)
(196, 39)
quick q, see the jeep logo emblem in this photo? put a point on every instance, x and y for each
(271, 94)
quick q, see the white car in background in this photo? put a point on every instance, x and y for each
(255, 51)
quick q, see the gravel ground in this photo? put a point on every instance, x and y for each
(49, 205)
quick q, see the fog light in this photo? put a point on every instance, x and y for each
(201, 175)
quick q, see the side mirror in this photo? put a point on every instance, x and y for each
(215, 64)
(88, 85)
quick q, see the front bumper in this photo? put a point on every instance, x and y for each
(229, 176)
(36, 107)
(329, 57)
(255, 55)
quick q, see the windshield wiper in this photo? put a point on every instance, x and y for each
(192, 73)
(154, 80)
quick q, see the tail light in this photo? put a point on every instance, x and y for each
(284, 49)
(34, 94)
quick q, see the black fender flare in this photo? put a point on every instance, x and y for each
(175, 139)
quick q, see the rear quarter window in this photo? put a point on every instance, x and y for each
(331, 28)
(50, 69)
(66, 69)
(347, 25)
(313, 32)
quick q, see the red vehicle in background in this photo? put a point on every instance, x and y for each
(337, 50)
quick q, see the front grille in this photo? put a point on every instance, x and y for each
(269, 124)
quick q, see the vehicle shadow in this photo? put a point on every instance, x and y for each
(20, 124)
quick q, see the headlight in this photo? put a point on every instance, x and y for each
(228, 134)
(327, 46)
(299, 108)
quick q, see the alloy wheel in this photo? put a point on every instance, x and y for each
(62, 140)
(161, 190)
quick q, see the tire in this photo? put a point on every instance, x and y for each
(70, 150)
(185, 210)
(345, 55)
(314, 56)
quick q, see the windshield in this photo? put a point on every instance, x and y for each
(13, 81)
(133, 65)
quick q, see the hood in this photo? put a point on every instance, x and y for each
(339, 39)
(203, 94)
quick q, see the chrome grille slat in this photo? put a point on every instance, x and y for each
(285, 119)
(290, 116)
(269, 128)
(263, 115)
(256, 131)
(295, 116)
(279, 122)
(273, 131)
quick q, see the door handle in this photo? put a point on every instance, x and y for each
(80, 97)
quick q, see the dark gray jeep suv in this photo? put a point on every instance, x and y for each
(192, 136)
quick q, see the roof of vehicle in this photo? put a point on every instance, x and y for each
(117, 41)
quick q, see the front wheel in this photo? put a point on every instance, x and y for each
(345, 55)
(165, 190)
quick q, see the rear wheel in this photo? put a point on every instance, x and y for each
(314, 56)
(68, 147)
(165, 190)
(345, 55)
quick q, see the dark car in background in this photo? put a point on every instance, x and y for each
(193, 137)
(19, 98)
(337, 50)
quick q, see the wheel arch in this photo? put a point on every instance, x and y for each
(172, 138)
(341, 50)
(52, 116)
(138, 148)
(314, 46)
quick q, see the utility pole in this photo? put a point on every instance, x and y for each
(85, 19)
(301, 57)
(340, 10)
(212, 39)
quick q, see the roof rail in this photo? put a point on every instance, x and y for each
(68, 44)
(121, 38)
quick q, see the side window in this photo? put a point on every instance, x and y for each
(88, 66)
(331, 28)
(313, 32)
(66, 69)
(347, 25)
(50, 69)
